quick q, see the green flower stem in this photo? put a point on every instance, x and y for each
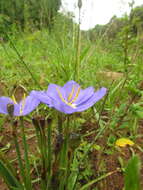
(93, 142)
(27, 164)
(64, 158)
(78, 48)
(60, 129)
(37, 127)
(49, 153)
(44, 154)
(17, 148)
(41, 144)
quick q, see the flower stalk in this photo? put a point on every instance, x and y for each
(39, 125)
(67, 99)
(10, 110)
(26, 157)
(78, 48)
(64, 166)
(49, 164)
(17, 148)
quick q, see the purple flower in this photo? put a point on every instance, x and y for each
(24, 107)
(70, 98)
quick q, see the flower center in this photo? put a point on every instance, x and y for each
(22, 102)
(70, 101)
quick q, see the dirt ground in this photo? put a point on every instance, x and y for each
(97, 159)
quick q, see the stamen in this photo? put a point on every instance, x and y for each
(68, 103)
(23, 104)
(76, 96)
(71, 94)
(14, 100)
(60, 95)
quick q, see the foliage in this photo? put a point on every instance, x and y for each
(136, 17)
(132, 174)
(116, 25)
(110, 56)
(34, 13)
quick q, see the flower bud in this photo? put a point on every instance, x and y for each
(59, 143)
(10, 109)
(49, 121)
(35, 123)
(42, 122)
(79, 4)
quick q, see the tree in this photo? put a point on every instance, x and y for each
(41, 13)
(136, 18)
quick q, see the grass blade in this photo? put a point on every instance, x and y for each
(86, 186)
(132, 174)
(9, 178)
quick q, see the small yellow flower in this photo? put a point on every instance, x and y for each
(122, 142)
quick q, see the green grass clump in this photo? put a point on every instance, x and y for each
(33, 60)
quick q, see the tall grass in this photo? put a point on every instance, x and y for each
(39, 58)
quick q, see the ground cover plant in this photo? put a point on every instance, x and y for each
(71, 105)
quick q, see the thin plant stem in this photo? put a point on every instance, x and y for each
(64, 158)
(49, 154)
(84, 187)
(87, 151)
(60, 130)
(22, 61)
(126, 54)
(95, 139)
(17, 148)
(36, 125)
(77, 65)
(42, 147)
(27, 164)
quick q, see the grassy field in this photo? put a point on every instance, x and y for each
(31, 61)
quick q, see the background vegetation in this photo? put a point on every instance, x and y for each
(39, 45)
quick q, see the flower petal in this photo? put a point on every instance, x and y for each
(70, 89)
(92, 100)
(42, 97)
(27, 105)
(4, 101)
(16, 110)
(62, 107)
(54, 92)
(84, 95)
